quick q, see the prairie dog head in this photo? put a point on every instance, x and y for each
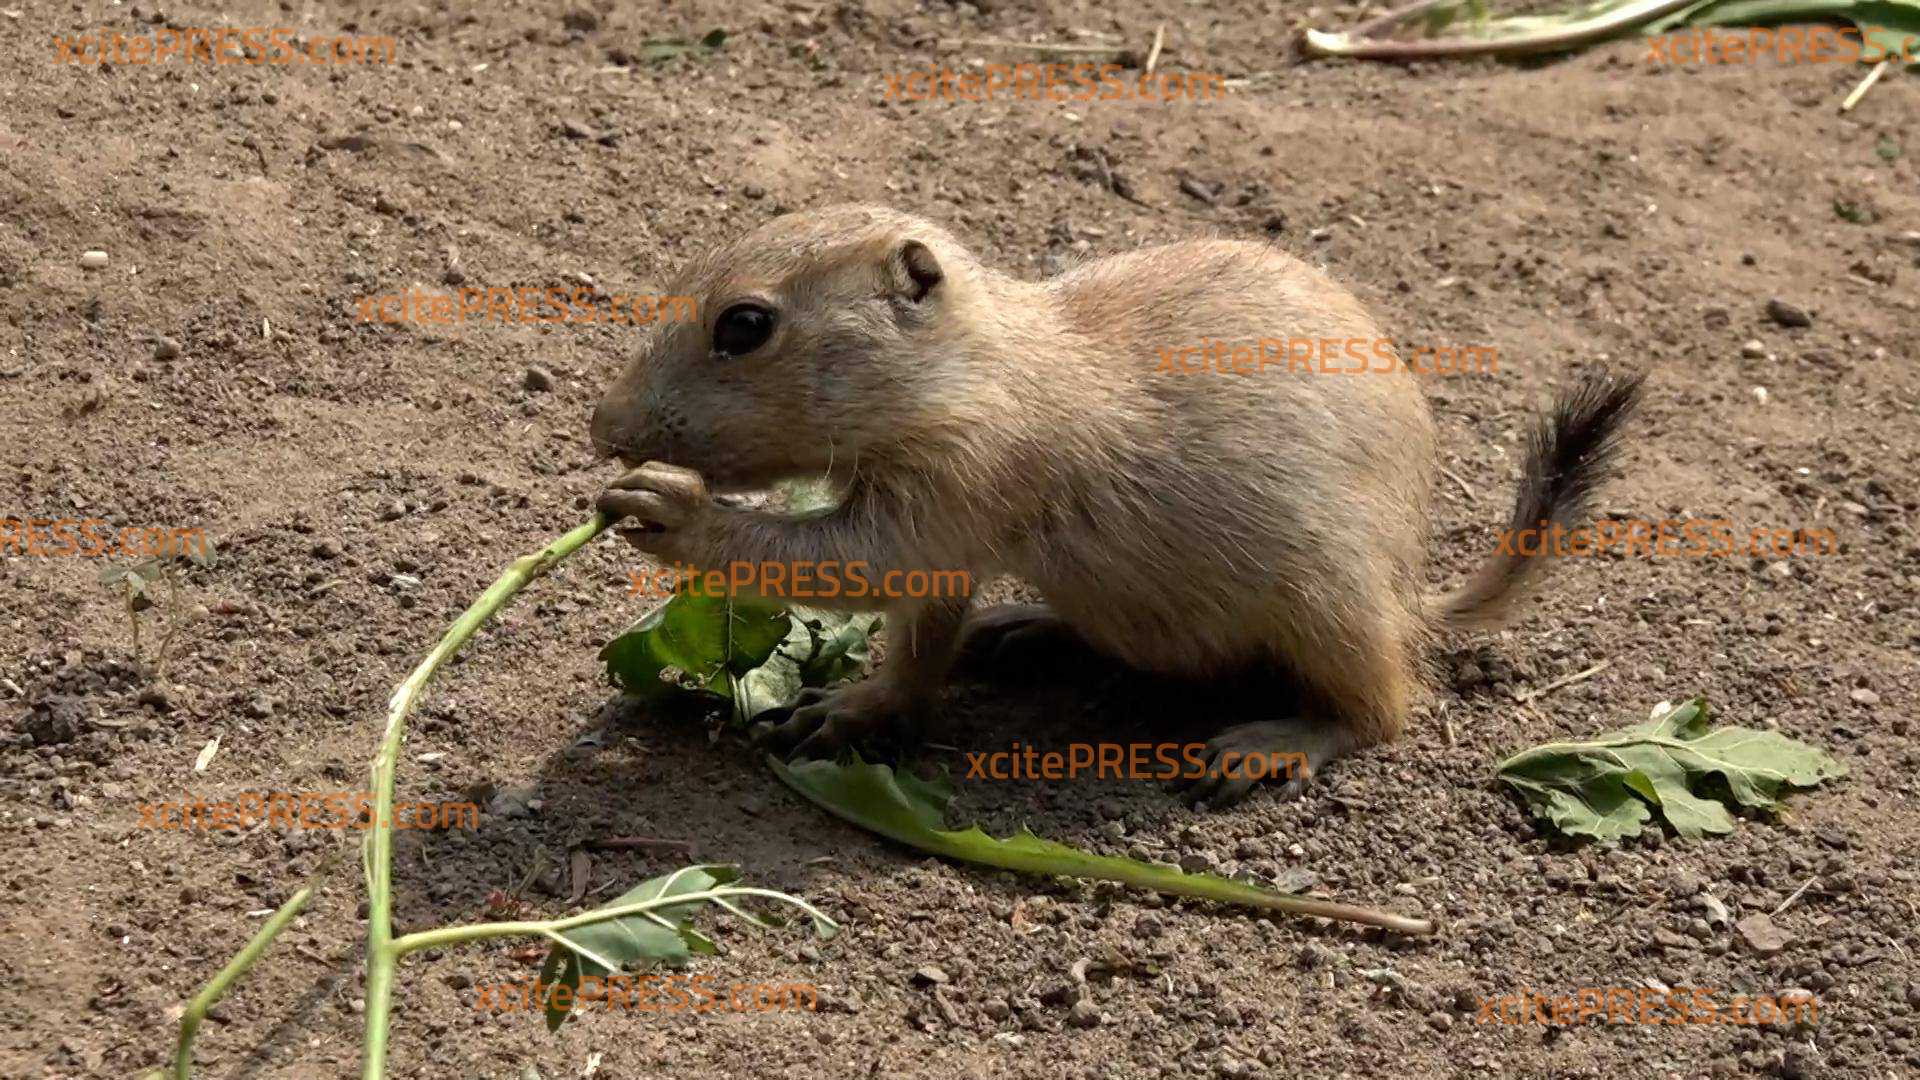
(817, 336)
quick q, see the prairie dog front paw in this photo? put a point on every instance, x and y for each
(659, 506)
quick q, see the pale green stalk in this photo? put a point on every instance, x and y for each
(377, 854)
(256, 946)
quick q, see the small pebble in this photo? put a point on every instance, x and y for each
(165, 348)
(93, 260)
(1786, 314)
(537, 378)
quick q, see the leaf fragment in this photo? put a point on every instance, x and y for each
(1673, 764)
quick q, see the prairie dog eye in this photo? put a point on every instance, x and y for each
(741, 329)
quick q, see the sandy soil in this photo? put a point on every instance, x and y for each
(363, 482)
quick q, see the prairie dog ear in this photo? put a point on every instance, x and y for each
(913, 272)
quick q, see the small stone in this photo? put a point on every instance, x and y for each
(1667, 939)
(1786, 314)
(1440, 1021)
(1866, 697)
(259, 708)
(996, 1009)
(1761, 935)
(1754, 350)
(393, 511)
(165, 348)
(1084, 1014)
(1781, 569)
(1760, 394)
(581, 20)
(155, 698)
(1717, 914)
(929, 975)
(537, 379)
(93, 260)
(326, 549)
(1682, 884)
(754, 191)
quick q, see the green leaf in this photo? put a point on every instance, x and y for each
(820, 649)
(840, 644)
(1852, 211)
(712, 638)
(201, 554)
(744, 649)
(907, 809)
(657, 49)
(1888, 28)
(1609, 787)
(631, 941)
(662, 935)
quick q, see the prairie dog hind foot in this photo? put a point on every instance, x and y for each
(1289, 752)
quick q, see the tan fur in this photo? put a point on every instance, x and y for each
(1191, 524)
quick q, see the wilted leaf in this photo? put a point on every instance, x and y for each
(633, 941)
(663, 935)
(709, 637)
(1609, 787)
(759, 657)
(905, 808)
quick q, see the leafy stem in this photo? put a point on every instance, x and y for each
(377, 853)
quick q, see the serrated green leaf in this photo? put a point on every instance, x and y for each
(1604, 788)
(907, 809)
(707, 636)
(758, 656)
(632, 942)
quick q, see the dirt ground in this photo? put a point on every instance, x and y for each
(363, 482)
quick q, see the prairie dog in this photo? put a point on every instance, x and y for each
(1187, 524)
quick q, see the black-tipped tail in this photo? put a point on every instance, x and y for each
(1569, 455)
